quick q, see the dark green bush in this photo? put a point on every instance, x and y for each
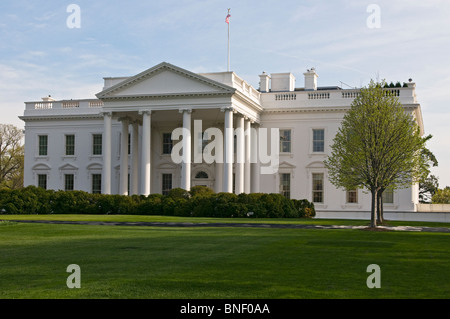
(199, 202)
(200, 190)
(304, 208)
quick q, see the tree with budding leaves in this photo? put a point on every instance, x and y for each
(379, 146)
(11, 156)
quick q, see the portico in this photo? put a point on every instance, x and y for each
(144, 114)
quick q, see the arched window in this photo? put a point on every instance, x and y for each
(201, 174)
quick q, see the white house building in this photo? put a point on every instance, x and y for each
(121, 142)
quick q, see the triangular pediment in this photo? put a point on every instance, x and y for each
(317, 164)
(286, 165)
(165, 80)
(68, 166)
(41, 166)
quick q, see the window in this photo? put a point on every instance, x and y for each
(129, 144)
(285, 185)
(68, 182)
(285, 141)
(201, 174)
(352, 196)
(70, 144)
(234, 183)
(317, 190)
(42, 181)
(43, 145)
(96, 183)
(97, 144)
(318, 140)
(166, 183)
(388, 196)
(167, 143)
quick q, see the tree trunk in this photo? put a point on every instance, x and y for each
(373, 220)
(380, 206)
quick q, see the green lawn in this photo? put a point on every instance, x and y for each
(160, 262)
(176, 219)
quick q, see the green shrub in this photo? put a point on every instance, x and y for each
(200, 201)
(304, 208)
(149, 205)
(200, 190)
(179, 193)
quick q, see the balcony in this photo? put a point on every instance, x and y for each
(50, 107)
(327, 98)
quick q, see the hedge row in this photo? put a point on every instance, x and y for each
(199, 202)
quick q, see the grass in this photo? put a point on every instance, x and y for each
(177, 219)
(218, 263)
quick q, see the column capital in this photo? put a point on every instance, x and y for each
(185, 110)
(141, 112)
(124, 119)
(227, 108)
(106, 113)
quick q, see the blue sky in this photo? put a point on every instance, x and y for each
(40, 55)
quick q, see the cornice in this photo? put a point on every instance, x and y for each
(165, 96)
(319, 109)
(60, 117)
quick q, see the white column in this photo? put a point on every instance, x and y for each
(218, 183)
(134, 159)
(124, 158)
(240, 155)
(255, 166)
(228, 151)
(186, 163)
(106, 151)
(247, 170)
(146, 146)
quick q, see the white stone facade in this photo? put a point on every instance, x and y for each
(120, 142)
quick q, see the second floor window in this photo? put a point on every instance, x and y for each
(285, 141)
(97, 144)
(318, 140)
(43, 145)
(70, 144)
(167, 143)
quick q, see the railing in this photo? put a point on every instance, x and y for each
(70, 104)
(66, 104)
(318, 96)
(350, 95)
(96, 103)
(43, 105)
(335, 94)
(284, 97)
(393, 92)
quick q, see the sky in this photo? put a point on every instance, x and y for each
(50, 48)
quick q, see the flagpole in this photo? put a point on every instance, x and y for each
(228, 22)
(228, 47)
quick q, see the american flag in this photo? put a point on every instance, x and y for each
(227, 19)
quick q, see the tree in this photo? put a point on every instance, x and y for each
(427, 189)
(442, 196)
(11, 156)
(429, 184)
(378, 146)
